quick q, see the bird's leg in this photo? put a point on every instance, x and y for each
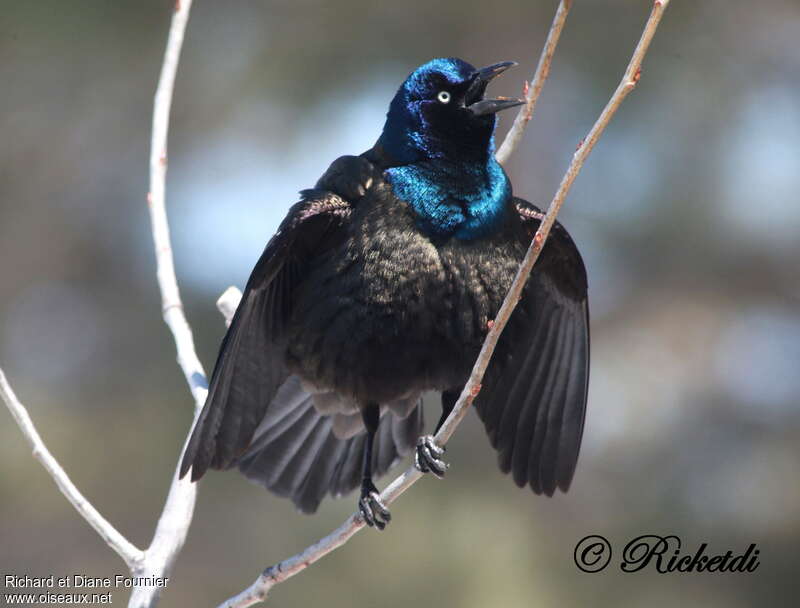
(370, 504)
(428, 457)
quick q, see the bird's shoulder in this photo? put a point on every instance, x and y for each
(349, 177)
(336, 193)
(315, 223)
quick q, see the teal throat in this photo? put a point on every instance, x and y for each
(462, 200)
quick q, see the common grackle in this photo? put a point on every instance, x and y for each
(378, 286)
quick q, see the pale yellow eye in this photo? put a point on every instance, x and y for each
(443, 97)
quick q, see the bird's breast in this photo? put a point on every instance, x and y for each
(393, 310)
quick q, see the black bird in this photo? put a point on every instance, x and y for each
(379, 286)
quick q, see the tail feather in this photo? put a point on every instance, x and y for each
(293, 476)
(317, 482)
(295, 452)
(349, 469)
(286, 448)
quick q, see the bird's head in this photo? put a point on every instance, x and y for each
(440, 112)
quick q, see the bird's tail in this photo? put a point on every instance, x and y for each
(295, 452)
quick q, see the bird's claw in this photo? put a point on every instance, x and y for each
(428, 457)
(371, 507)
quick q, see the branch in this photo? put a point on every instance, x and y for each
(514, 135)
(173, 525)
(176, 517)
(257, 592)
(171, 305)
(130, 554)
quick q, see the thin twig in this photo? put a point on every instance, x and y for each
(171, 304)
(130, 554)
(173, 525)
(257, 592)
(514, 135)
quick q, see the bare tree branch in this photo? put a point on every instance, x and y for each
(130, 554)
(173, 525)
(171, 305)
(514, 135)
(257, 592)
(176, 517)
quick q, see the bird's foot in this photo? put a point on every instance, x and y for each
(428, 457)
(371, 506)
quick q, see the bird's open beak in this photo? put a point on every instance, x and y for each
(474, 101)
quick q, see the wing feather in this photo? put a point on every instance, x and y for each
(250, 366)
(533, 403)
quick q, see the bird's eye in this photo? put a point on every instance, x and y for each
(443, 97)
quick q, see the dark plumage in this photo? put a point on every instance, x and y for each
(378, 286)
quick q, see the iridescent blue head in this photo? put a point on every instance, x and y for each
(440, 111)
(438, 138)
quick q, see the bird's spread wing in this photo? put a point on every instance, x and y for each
(250, 368)
(533, 401)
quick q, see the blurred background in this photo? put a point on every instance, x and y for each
(686, 214)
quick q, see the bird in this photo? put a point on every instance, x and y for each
(380, 285)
